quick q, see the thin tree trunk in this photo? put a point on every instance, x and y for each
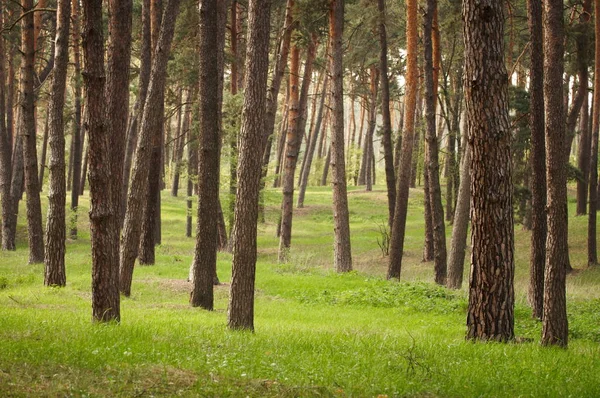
(44, 153)
(105, 271)
(341, 240)
(537, 257)
(386, 140)
(76, 133)
(491, 293)
(27, 121)
(408, 139)
(554, 324)
(326, 163)
(364, 177)
(241, 302)
(311, 149)
(205, 254)
(54, 274)
(428, 249)
(84, 168)
(182, 133)
(151, 121)
(435, 194)
(460, 226)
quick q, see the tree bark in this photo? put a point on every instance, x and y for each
(364, 177)
(554, 324)
(55, 226)
(76, 138)
(341, 239)
(105, 270)
(205, 254)
(8, 234)
(151, 121)
(460, 226)
(27, 121)
(386, 138)
(408, 139)
(252, 137)
(537, 257)
(491, 292)
(432, 170)
(44, 153)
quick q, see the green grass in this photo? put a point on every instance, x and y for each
(317, 333)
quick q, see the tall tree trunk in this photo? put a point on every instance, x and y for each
(386, 138)
(105, 271)
(460, 225)
(593, 165)
(341, 224)
(291, 156)
(432, 168)
(151, 215)
(408, 139)
(364, 177)
(205, 254)
(55, 226)
(27, 121)
(76, 134)
(326, 164)
(491, 291)
(84, 168)
(241, 302)
(16, 183)
(583, 158)
(8, 234)
(117, 103)
(310, 151)
(183, 133)
(537, 257)
(192, 172)
(554, 325)
(151, 121)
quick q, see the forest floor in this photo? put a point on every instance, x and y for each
(317, 333)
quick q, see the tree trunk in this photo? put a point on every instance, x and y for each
(460, 226)
(491, 292)
(44, 153)
(183, 133)
(593, 165)
(435, 194)
(117, 102)
(554, 324)
(428, 249)
(76, 138)
(326, 163)
(84, 168)
(192, 171)
(310, 151)
(8, 234)
(291, 156)
(105, 270)
(364, 177)
(341, 239)
(205, 254)
(537, 257)
(151, 121)
(408, 139)
(55, 227)
(241, 302)
(27, 121)
(386, 138)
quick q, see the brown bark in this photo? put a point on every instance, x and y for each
(593, 165)
(460, 225)
(310, 151)
(183, 133)
(8, 234)
(76, 133)
(205, 254)
(44, 153)
(105, 271)
(408, 139)
(341, 225)
(491, 292)
(364, 177)
(27, 121)
(386, 138)
(241, 302)
(55, 227)
(554, 324)
(151, 121)
(537, 257)
(432, 168)
(151, 215)
(291, 156)
(117, 101)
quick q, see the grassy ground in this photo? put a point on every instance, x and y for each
(317, 333)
